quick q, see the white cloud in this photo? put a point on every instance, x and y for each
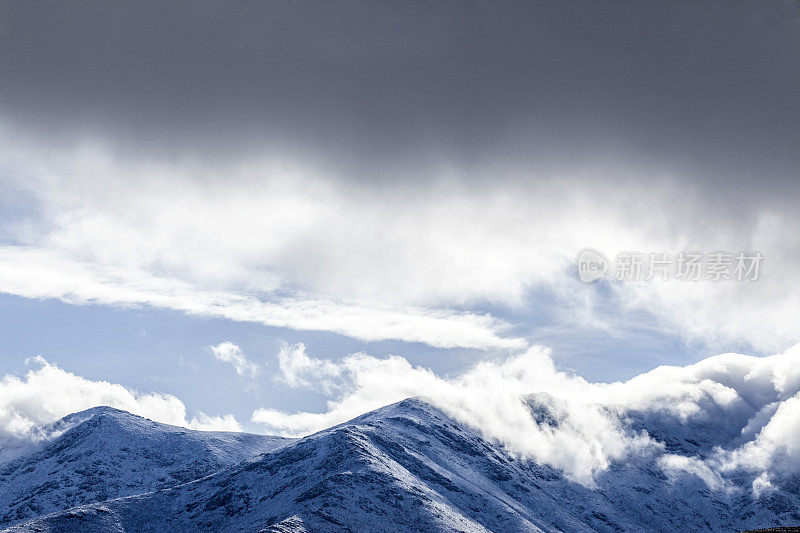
(227, 352)
(762, 485)
(47, 392)
(674, 465)
(300, 370)
(775, 447)
(732, 396)
(204, 422)
(285, 241)
(40, 273)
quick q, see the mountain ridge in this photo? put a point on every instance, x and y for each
(104, 453)
(409, 467)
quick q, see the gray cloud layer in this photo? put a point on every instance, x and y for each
(372, 87)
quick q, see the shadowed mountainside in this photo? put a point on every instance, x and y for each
(410, 467)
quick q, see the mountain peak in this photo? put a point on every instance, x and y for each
(101, 410)
(104, 452)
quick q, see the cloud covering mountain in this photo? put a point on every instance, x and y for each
(410, 467)
(752, 404)
(748, 406)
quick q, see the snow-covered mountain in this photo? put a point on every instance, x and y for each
(106, 453)
(405, 467)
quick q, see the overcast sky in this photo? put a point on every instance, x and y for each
(388, 177)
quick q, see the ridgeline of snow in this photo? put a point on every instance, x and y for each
(412, 467)
(104, 453)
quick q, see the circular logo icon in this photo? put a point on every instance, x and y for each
(592, 265)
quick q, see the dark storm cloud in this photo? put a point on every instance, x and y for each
(714, 86)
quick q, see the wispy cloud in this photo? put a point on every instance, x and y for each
(40, 273)
(227, 352)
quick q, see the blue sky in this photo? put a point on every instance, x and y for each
(148, 349)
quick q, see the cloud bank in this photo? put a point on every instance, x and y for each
(47, 392)
(748, 409)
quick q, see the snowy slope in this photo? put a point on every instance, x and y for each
(410, 467)
(106, 453)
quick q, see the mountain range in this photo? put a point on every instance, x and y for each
(405, 467)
